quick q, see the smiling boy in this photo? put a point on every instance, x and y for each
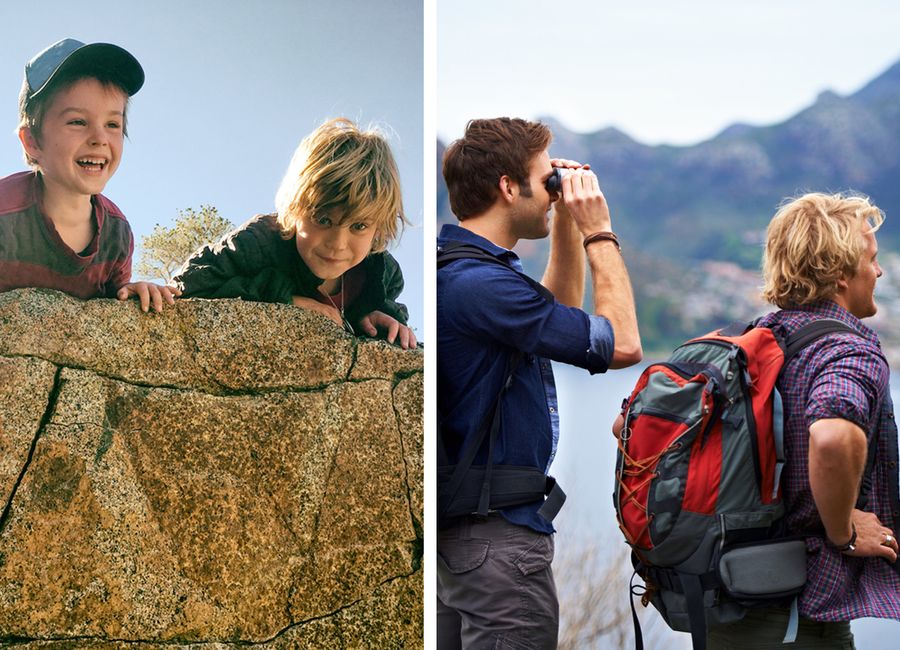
(338, 207)
(56, 228)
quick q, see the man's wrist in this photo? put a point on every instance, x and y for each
(587, 230)
(602, 236)
(849, 545)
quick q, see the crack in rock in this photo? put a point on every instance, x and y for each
(45, 420)
(177, 494)
(220, 643)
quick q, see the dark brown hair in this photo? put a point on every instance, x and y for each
(490, 149)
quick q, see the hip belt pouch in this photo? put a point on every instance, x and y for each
(764, 570)
(509, 486)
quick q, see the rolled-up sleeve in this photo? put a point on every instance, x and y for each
(493, 302)
(602, 345)
(849, 383)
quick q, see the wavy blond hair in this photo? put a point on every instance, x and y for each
(812, 242)
(340, 168)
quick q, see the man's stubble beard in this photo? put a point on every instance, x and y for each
(531, 221)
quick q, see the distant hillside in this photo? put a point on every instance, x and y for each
(677, 208)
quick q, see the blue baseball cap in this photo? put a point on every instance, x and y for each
(69, 54)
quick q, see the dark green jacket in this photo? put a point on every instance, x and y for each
(253, 262)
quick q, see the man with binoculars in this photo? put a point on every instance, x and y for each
(498, 330)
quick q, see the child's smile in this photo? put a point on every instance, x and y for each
(81, 139)
(331, 246)
(92, 164)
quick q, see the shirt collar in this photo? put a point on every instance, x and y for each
(830, 309)
(451, 232)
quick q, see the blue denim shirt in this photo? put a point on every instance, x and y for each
(484, 312)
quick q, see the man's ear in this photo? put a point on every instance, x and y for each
(509, 189)
(29, 142)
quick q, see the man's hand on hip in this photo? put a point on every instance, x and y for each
(872, 538)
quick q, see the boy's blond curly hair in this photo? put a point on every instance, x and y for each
(812, 242)
(340, 168)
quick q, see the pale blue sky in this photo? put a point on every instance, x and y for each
(673, 72)
(231, 89)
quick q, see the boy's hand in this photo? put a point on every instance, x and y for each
(314, 305)
(376, 320)
(149, 294)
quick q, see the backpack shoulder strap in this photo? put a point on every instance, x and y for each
(812, 332)
(460, 251)
(489, 430)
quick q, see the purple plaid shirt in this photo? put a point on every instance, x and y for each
(839, 376)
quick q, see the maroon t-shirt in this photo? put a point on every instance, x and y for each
(32, 254)
(353, 282)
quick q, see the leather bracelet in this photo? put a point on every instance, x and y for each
(849, 546)
(603, 235)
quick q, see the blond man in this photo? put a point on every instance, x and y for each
(840, 484)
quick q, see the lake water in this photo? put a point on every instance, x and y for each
(589, 542)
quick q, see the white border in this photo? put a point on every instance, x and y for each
(429, 223)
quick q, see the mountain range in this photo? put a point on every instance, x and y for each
(683, 212)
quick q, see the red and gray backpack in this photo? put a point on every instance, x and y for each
(698, 472)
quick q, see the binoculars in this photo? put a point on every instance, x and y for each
(554, 183)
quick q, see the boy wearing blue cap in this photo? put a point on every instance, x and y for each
(56, 228)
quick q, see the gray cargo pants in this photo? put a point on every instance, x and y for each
(495, 587)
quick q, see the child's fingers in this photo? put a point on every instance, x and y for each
(122, 293)
(393, 329)
(407, 339)
(368, 327)
(156, 298)
(334, 315)
(143, 295)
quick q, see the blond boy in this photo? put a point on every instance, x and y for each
(338, 207)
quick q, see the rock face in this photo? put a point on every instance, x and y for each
(224, 473)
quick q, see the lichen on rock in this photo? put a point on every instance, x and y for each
(215, 474)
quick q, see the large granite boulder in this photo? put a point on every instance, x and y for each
(222, 474)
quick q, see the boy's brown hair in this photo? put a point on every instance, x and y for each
(33, 108)
(490, 149)
(340, 168)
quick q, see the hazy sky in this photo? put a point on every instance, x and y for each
(231, 89)
(673, 72)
